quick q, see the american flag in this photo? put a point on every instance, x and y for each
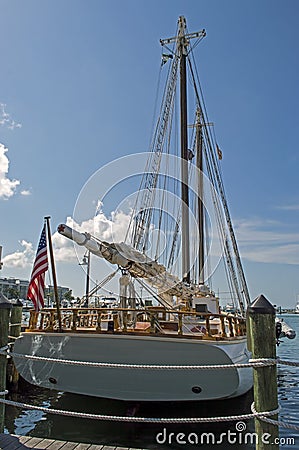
(37, 283)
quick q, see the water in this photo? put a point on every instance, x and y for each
(154, 436)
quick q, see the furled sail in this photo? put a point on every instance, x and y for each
(137, 264)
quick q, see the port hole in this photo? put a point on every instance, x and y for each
(196, 389)
(53, 380)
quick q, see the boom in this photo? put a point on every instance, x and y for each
(137, 264)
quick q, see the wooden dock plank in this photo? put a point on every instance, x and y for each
(44, 444)
(13, 442)
(22, 439)
(83, 447)
(96, 447)
(69, 446)
(33, 441)
(55, 445)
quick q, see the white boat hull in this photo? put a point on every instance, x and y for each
(134, 384)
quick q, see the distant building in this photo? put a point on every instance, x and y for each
(16, 288)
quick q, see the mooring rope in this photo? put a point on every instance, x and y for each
(279, 423)
(257, 362)
(262, 362)
(140, 419)
(288, 363)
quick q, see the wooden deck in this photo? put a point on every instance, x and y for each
(11, 442)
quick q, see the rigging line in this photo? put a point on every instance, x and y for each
(208, 245)
(226, 244)
(203, 106)
(174, 47)
(211, 135)
(165, 183)
(153, 140)
(150, 180)
(196, 42)
(233, 295)
(155, 296)
(102, 283)
(223, 197)
(157, 147)
(152, 197)
(163, 198)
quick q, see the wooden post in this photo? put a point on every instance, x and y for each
(14, 332)
(5, 306)
(99, 321)
(261, 320)
(54, 274)
(180, 326)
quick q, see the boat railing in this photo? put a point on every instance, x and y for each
(151, 320)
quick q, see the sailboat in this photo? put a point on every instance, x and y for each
(145, 349)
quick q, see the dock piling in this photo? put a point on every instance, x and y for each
(5, 307)
(14, 332)
(261, 321)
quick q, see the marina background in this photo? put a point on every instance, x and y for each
(36, 423)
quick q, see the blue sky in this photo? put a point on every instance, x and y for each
(77, 89)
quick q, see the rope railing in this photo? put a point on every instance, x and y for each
(264, 415)
(258, 362)
(140, 419)
(262, 362)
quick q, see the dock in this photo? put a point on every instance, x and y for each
(13, 442)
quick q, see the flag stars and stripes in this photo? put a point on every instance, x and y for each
(36, 289)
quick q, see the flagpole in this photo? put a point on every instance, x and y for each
(53, 272)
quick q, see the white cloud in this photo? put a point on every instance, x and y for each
(25, 192)
(64, 249)
(267, 242)
(20, 259)
(6, 120)
(110, 230)
(7, 186)
(294, 207)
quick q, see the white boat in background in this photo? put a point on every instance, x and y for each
(297, 306)
(284, 329)
(181, 323)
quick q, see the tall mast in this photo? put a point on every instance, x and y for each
(182, 42)
(182, 48)
(199, 164)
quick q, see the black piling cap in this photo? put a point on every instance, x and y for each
(4, 302)
(261, 306)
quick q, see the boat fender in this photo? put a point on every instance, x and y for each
(278, 328)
